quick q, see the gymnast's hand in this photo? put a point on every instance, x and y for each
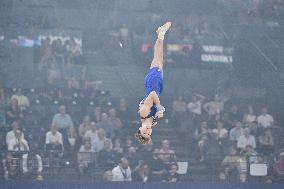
(160, 111)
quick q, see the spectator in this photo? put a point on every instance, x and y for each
(106, 157)
(96, 116)
(115, 121)
(265, 120)
(128, 143)
(222, 133)
(98, 143)
(195, 107)
(141, 173)
(236, 132)
(71, 144)
(173, 176)
(18, 143)
(85, 158)
(107, 176)
(32, 165)
(166, 153)
(11, 135)
(201, 135)
(214, 107)
(11, 166)
(54, 137)
(23, 101)
(13, 112)
(278, 168)
(93, 133)
(106, 125)
(132, 157)
(231, 164)
(157, 166)
(246, 139)
(249, 117)
(212, 154)
(85, 126)
(62, 120)
(266, 144)
(235, 114)
(118, 148)
(122, 172)
(123, 111)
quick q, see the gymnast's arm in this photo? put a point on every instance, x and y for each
(155, 99)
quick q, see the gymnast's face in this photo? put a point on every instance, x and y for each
(146, 128)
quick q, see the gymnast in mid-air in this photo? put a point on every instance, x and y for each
(150, 108)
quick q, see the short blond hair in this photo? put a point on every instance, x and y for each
(142, 139)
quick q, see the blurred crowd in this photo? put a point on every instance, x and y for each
(229, 137)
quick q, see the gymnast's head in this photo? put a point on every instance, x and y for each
(143, 135)
(141, 138)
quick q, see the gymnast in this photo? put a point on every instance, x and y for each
(150, 108)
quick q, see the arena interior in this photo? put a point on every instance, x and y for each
(72, 75)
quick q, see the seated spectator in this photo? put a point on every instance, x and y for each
(106, 125)
(11, 166)
(141, 173)
(106, 157)
(96, 115)
(128, 143)
(266, 144)
(195, 107)
(254, 128)
(53, 138)
(132, 157)
(23, 101)
(118, 149)
(212, 154)
(234, 114)
(93, 133)
(236, 132)
(265, 120)
(11, 135)
(13, 112)
(157, 167)
(85, 126)
(18, 143)
(98, 143)
(123, 111)
(85, 158)
(107, 176)
(231, 164)
(172, 175)
(71, 144)
(222, 133)
(278, 168)
(146, 152)
(201, 135)
(246, 139)
(115, 121)
(214, 107)
(62, 120)
(122, 172)
(32, 165)
(249, 117)
(166, 153)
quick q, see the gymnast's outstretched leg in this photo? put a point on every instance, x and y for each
(159, 46)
